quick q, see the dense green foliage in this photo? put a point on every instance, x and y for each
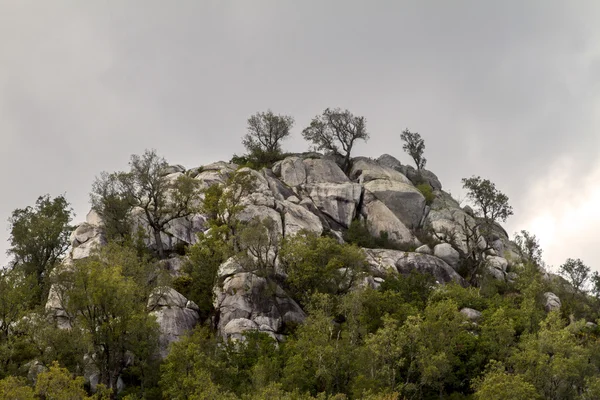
(39, 237)
(367, 334)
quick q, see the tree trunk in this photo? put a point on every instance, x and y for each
(159, 244)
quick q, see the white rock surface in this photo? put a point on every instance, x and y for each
(404, 200)
(552, 302)
(447, 253)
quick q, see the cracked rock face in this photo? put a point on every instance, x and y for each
(246, 301)
(175, 315)
(384, 262)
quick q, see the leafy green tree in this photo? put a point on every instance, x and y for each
(224, 203)
(39, 237)
(58, 384)
(414, 145)
(14, 388)
(204, 259)
(336, 131)
(260, 242)
(529, 248)
(576, 272)
(265, 133)
(320, 264)
(111, 309)
(15, 295)
(497, 384)
(114, 207)
(193, 368)
(553, 360)
(146, 186)
(320, 357)
(492, 203)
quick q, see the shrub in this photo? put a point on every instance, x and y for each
(427, 191)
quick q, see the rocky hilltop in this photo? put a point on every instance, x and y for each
(310, 192)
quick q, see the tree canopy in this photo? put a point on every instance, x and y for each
(414, 145)
(336, 130)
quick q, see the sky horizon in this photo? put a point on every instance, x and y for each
(505, 91)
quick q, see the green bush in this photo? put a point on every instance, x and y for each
(427, 191)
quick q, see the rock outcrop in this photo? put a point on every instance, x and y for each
(175, 315)
(309, 192)
(384, 262)
(246, 301)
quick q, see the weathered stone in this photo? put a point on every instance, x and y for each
(293, 171)
(388, 161)
(86, 249)
(496, 273)
(337, 200)
(425, 249)
(497, 263)
(447, 253)
(471, 314)
(252, 212)
(172, 169)
(166, 297)
(379, 218)
(405, 201)
(323, 171)
(261, 185)
(54, 306)
(297, 218)
(385, 262)
(94, 219)
(83, 233)
(279, 190)
(364, 170)
(251, 297)
(175, 316)
(552, 303)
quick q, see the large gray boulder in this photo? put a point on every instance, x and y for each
(404, 200)
(86, 239)
(214, 173)
(384, 262)
(246, 301)
(297, 171)
(292, 171)
(364, 170)
(297, 218)
(389, 161)
(472, 314)
(324, 171)
(338, 201)
(552, 302)
(447, 253)
(175, 315)
(261, 213)
(379, 218)
(279, 190)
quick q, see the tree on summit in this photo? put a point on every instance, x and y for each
(336, 131)
(266, 130)
(414, 146)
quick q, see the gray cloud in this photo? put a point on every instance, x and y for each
(506, 90)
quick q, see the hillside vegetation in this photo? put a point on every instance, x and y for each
(315, 275)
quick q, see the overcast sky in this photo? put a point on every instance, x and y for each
(509, 90)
